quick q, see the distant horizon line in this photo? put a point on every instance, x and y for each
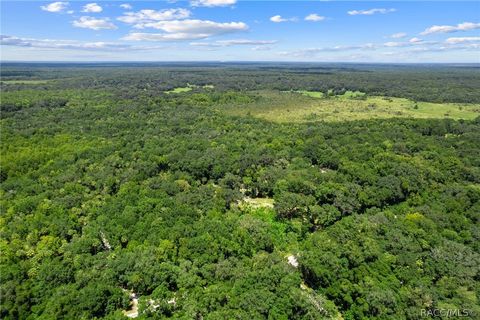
(226, 62)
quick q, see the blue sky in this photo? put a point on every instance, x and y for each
(236, 30)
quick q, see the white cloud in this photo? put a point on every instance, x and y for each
(398, 35)
(92, 7)
(311, 52)
(447, 29)
(147, 16)
(142, 36)
(196, 26)
(262, 48)
(279, 18)
(55, 6)
(459, 46)
(189, 29)
(314, 17)
(126, 6)
(94, 23)
(462, 40)
(205, 44)
(411, 47)
(68, 44)
(370, 11)
(394, 44)
(212, 3)
(246, 42)
(234, 42)
(409, 43)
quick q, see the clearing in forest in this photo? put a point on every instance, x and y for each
(305, 106)
(179, 90)
(25, 81)
(189, 87)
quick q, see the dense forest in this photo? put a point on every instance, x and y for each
(436, 83)
(117, 189)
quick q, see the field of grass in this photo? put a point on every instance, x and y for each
(258, 202)
(189, 87)
(313, 94)
(25, 81)
(179, 90)
(307, 106)
(346, 95)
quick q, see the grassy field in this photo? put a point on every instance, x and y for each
(346, 95)
(180, 90)
(25, 81)
(313, 94)
(307, 106)
(189, 87)
(258, 202)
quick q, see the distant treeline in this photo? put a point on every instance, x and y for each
(435, 83)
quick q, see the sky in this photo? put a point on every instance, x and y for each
(241, 30)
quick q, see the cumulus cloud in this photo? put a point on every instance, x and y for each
(92, 7)
(371, 11)
(462, 40)
(398, 35)
(279, 18)
(415, 40)
(314, 17)
(175, 29)
(142, 17)
(197, 28)
(466, 26)
(126, 6)
(212, 3)
(94, 23)
(55, 6)
(6, 40)
(200, 26)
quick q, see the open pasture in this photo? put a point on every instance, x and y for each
(306, 106)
